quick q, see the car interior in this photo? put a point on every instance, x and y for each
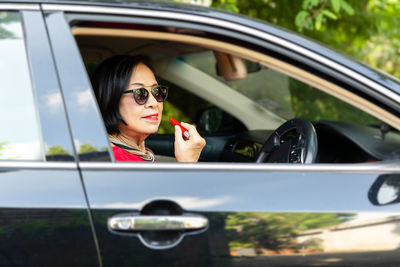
(248, 105)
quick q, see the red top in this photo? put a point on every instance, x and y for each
(122, 155)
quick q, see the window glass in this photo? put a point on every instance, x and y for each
(180, 104)
(19, 135)
(283, 95)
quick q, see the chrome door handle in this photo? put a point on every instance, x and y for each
(137, 223)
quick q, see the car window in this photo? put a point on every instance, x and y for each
(19, 137)
(180, 104)
(283, 95)
(237, 99)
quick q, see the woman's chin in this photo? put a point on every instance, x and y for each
(151, 130)
(140, 128)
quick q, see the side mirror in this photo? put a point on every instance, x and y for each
(385, 190)
(215, 120)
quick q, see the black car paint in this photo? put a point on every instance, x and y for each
(233, 192)
(44, 215)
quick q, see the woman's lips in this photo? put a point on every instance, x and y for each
(151, 117)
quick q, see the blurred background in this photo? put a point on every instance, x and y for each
(368, 30)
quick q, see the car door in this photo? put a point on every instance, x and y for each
(170, 214)
(43, 209)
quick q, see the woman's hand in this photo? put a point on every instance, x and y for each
(188, 150)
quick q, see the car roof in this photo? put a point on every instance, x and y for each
(382, 78)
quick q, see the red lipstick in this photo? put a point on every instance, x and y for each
(153, 117)
(185, 132)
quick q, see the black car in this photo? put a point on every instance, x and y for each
(301, 166)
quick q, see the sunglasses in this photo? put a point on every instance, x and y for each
(141, 95)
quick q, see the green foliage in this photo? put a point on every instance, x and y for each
(369, 30)
(304, 20)
(3, 146)
(57, 150)
(313, 104)
(87, 148)
(336, 5)
(177, 101)
(5, 18)
(170, 110)
(227, 5)
(276, 231)
(306, 15)
(34, 227)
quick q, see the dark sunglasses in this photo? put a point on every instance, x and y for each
(141, 95)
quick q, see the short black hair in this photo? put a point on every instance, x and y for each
(109, 80)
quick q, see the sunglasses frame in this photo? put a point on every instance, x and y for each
(148, 94)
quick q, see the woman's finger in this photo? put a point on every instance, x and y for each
(195, 137)
(191, 128)
(178, 134)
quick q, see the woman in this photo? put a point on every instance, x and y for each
(131, 103)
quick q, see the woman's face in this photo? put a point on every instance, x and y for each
(142, 120)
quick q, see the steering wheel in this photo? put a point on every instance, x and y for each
(295, 141)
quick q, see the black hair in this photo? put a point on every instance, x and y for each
(109, 80)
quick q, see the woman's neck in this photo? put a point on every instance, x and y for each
(137, 143)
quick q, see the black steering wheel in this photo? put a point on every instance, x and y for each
(295, 141)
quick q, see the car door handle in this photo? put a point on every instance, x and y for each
(137, 223)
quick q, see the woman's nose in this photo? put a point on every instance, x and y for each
(151, 101)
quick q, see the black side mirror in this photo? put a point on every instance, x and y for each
(385, 190)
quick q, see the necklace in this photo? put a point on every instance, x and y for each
(147, 155)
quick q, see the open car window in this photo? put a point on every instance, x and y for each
(237, 97)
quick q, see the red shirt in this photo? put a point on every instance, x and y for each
(122, 155)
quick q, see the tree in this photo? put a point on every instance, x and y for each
(5, 18)
(277, 231)
(57, 150)
(87, 148)
(369, 30)
(308, 14)
(3, 146)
